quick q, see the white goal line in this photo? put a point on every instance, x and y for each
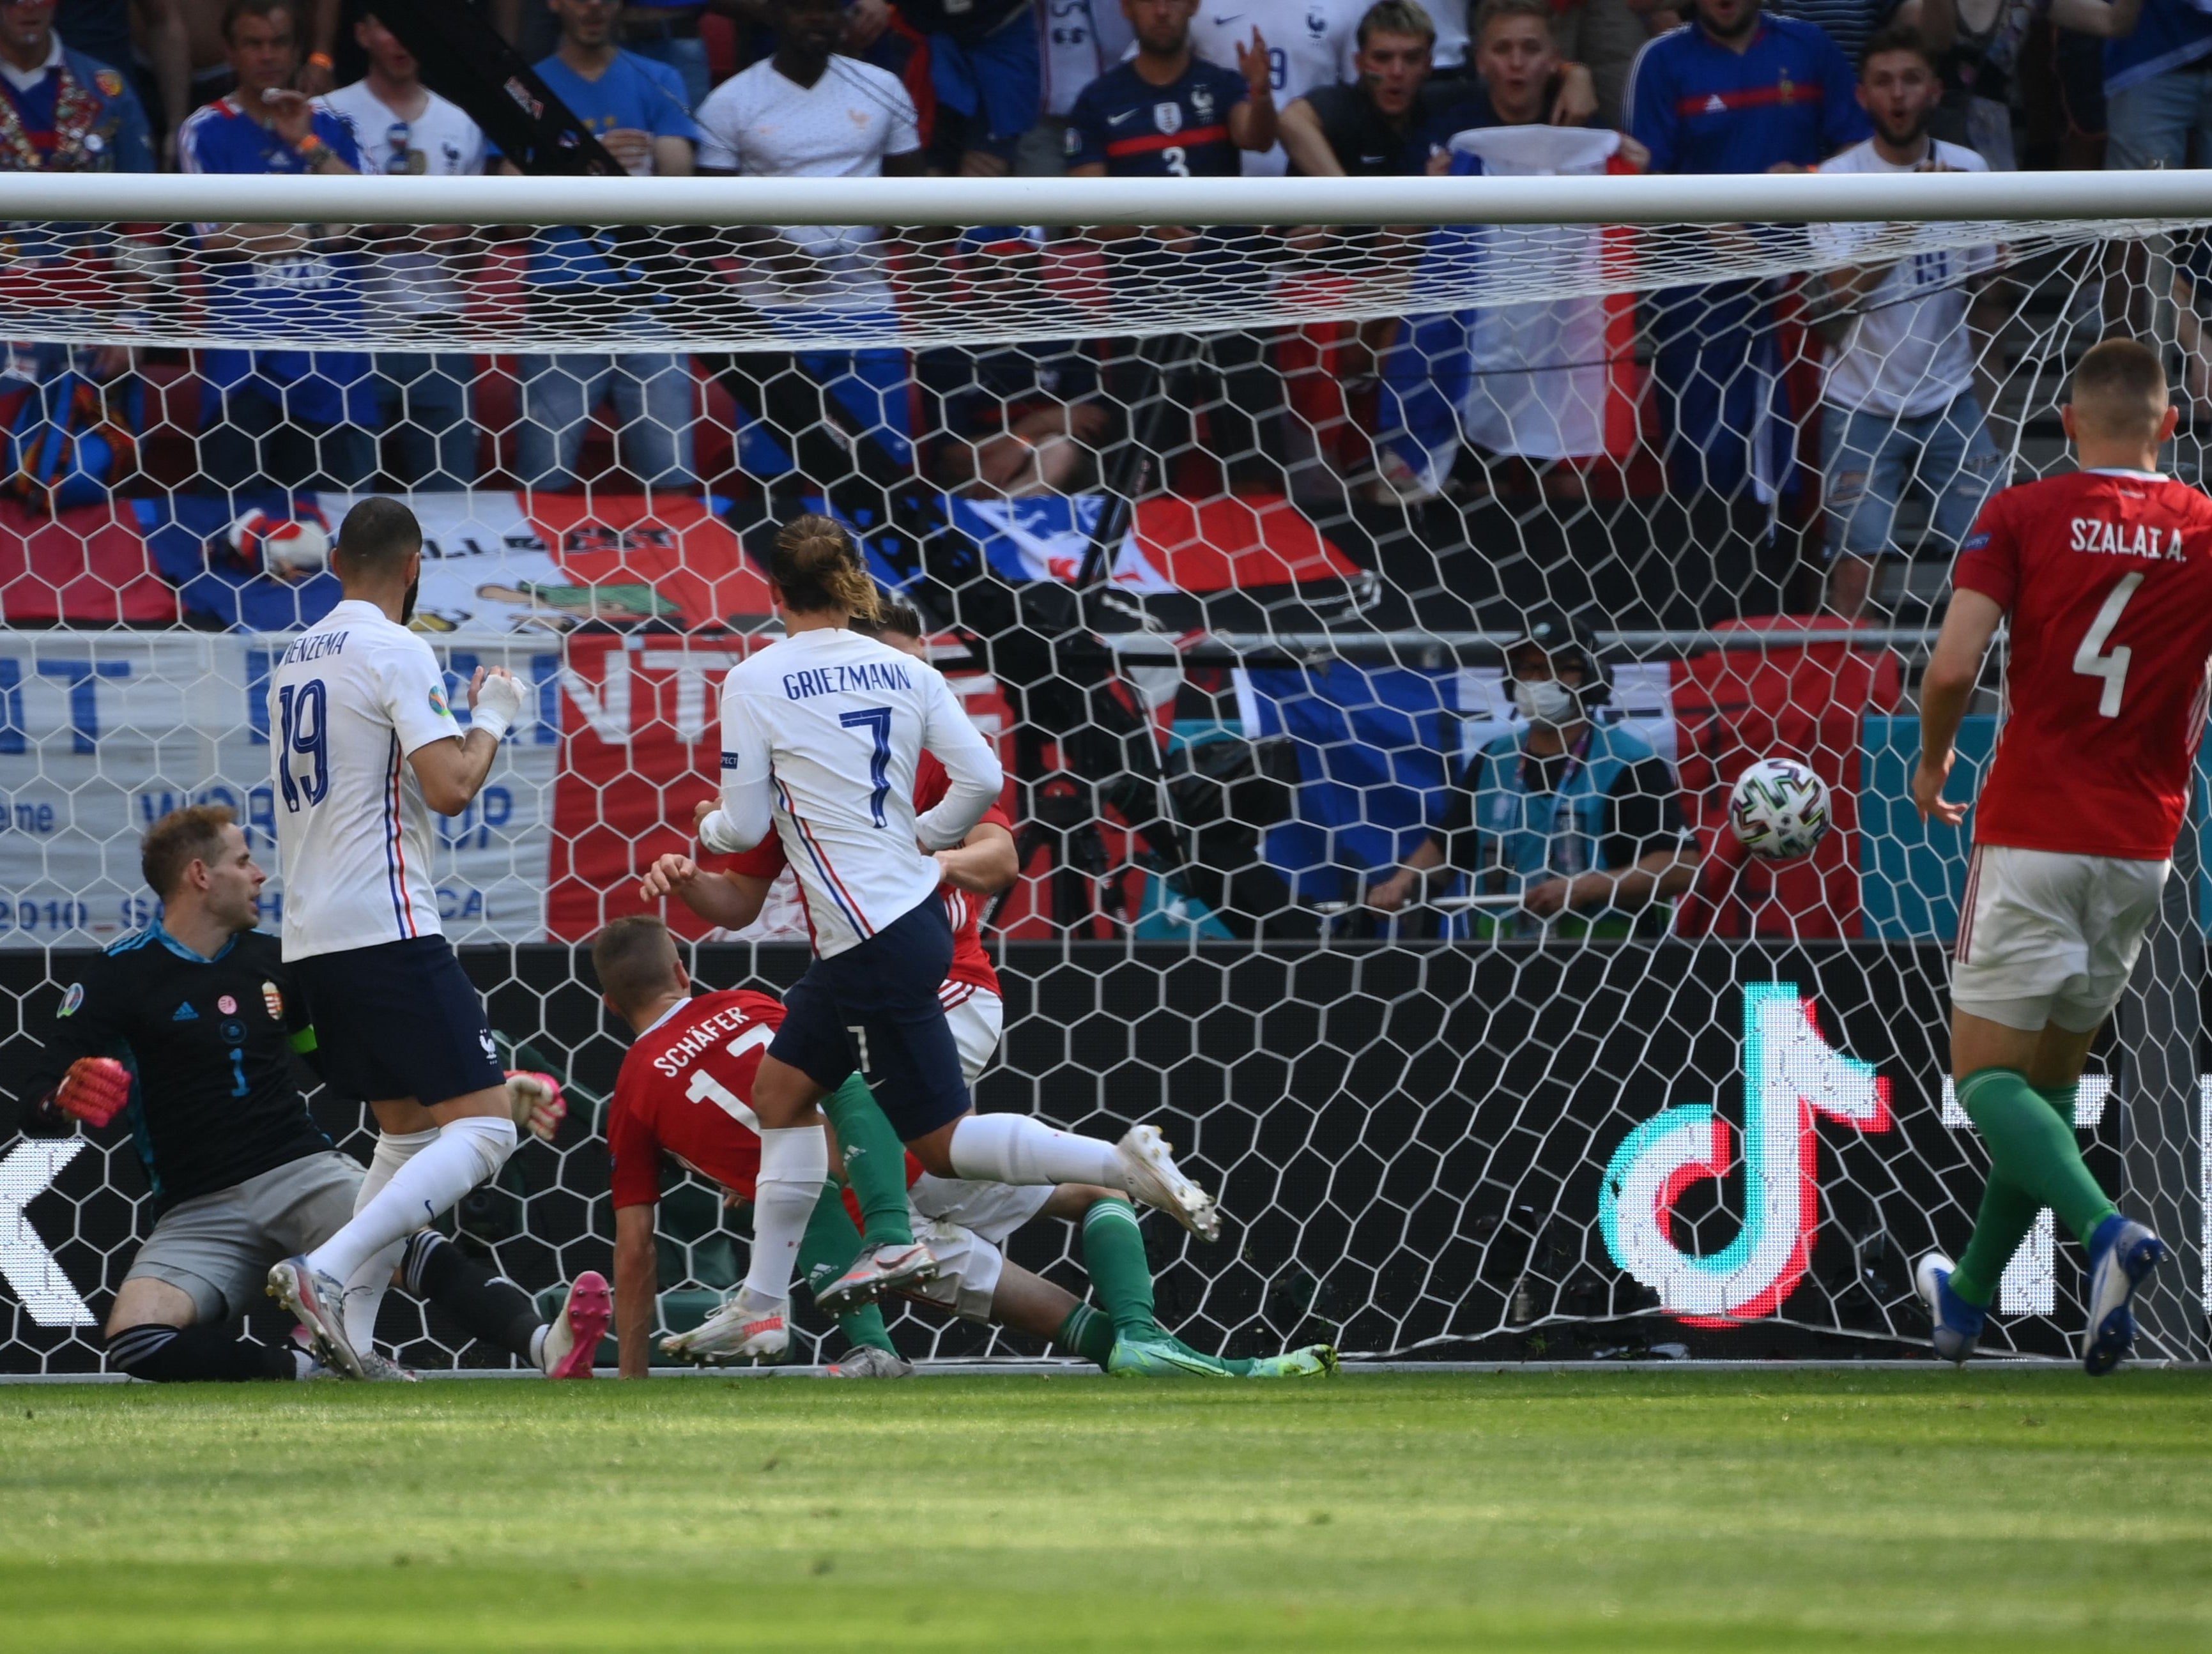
(2135, 201)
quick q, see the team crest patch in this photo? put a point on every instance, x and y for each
(273, 1001)
(438, 704)
(490, 1049)
(70, 1000)
(1167, 118)
(228, 1005)
(109, 82)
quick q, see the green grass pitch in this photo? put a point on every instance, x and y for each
(1631, 1511)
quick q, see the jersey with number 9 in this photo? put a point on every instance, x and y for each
(350, 698)
(2106, 578)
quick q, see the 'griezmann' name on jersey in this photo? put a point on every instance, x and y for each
(837, 680)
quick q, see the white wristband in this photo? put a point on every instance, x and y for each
(491, 720)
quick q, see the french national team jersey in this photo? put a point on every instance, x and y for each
(1138, 129)
(971, 966)
(1310, 44)
(1699, 107)
(348, 700)
(1908, 353)
(2107, 578)
(826, 729)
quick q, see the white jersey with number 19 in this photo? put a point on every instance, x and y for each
(349, 699)
(820, 736)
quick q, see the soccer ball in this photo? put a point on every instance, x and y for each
(291, 550)
(1778, 810)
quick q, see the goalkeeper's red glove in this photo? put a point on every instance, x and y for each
(94, 1090)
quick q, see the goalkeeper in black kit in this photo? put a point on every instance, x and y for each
(191, 1031)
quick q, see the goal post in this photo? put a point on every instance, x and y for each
(1223, 537)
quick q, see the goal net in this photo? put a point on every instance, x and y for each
(1222, 531)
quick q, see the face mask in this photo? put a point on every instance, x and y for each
(1549, 702)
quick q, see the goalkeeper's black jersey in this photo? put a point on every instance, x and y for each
(216, 1098)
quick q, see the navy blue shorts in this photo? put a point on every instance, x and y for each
(400, 1019)
(874, 1007)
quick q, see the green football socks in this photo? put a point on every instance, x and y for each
(875, 1164)
(1087, 1334)
(2035, 1161)
(1120, 1274)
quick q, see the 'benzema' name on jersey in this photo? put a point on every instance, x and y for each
(834, 680)
(313, 647)
(2107, 539)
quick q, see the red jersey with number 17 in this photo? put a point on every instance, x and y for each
(2107, 578)
(686, 1089)
(971, 966)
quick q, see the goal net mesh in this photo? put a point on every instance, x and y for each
(1220, 534)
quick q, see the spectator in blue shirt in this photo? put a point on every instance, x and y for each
(62, 112)
(286, 418)
(1733, 91)
(2158, 77)
(1167, 113)
(635, 106)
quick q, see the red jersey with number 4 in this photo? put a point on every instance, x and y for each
(686, 1089)
(2107, 578)
(971, 966)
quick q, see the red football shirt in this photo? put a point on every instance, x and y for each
(971, 966)
(2107, 578)
(686, 1089)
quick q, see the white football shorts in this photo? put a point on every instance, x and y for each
(977, 1017)
(966, 1224)
(2046, 936)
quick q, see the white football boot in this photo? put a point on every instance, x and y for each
(738, 1333)
(1148, 1162)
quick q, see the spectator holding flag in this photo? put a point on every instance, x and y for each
(285, 418)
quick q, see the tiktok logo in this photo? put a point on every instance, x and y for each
(1792, 1077)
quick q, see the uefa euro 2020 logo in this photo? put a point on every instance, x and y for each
(1793, 1079)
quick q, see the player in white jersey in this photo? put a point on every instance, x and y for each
(821, 736)
(364, 748)
(1311, 43)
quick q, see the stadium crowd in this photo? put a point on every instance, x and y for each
(1390, 411)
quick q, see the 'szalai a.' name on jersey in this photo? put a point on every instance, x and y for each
(348, 701)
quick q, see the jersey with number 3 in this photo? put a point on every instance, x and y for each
(1138, 129)
(348, 700)
(685, 1090)
(2107, 578)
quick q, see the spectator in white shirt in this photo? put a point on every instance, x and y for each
(402, 127)
(1899, 408)
(810, 112)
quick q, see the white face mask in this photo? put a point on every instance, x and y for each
(1547, 701)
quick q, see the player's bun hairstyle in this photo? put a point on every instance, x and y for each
(376, 537)
(816, 566)
(1897, 37)
(1398, 17)
(2119, 386)
(179, 839)
(634, 959)
(893, 614)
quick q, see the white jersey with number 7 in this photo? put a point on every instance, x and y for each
(820, 736)
(348, 700)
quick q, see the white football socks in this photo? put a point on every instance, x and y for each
(794, 1161)
(1012, 1148)
(365, 1290)
(468, 1151)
